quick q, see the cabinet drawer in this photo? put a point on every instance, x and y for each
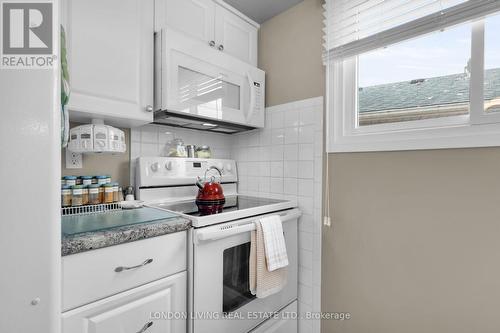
(141, 309)
(97, 274)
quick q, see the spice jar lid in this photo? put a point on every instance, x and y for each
(65, 187)
(77, 187)
(101, 177)
(85, 177)
(108, 185)
(94, 186)
(70, 177)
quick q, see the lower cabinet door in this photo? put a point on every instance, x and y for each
(158, 307)
(286, 322)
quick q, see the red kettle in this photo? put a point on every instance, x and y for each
(210, 199)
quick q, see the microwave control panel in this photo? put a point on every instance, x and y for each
(258, 94)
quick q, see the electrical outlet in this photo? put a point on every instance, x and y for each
(73, 160)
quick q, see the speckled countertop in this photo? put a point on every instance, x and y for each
(90, 232)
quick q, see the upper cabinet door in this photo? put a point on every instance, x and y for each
(235, 36)
(193, 17)
(110, 55)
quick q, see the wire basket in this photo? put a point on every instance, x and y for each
(90, 209)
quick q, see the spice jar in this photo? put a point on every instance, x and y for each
(108, 179)
(175, 148)
(115, 192)
(76, 195)
(86, 180)
(108, 193)
(101, 180)
(70, 180)
(120, 194)
(203, 152)
(101, 193)
(85, 195)
(94, 198)
(66, 196)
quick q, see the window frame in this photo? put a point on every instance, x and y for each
(477, 129)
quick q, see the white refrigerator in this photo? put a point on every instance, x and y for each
(30, 193)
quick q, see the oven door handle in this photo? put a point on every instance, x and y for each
(223, 231)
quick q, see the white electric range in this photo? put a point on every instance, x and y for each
(220, 245)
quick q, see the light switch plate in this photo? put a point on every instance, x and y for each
(73, 160)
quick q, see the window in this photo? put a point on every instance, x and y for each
(492, 64)
(419, 79)
(430, 80)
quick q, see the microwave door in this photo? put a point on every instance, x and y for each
(204, 90)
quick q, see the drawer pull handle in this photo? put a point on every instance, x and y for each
(124, 268)
(148, 325)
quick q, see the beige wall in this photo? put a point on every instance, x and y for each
(116, 165)
(415, 242)
(290, 53)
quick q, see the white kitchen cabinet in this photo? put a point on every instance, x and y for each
(235, 35)
(143, 309)
(110, 47)
(92, 275)
(193, 17)
(213, 22)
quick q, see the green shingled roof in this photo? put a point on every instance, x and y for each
(441, 90)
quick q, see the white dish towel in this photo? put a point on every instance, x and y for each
(263, 283)
(274, 242)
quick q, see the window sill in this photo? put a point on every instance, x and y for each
(465, 136)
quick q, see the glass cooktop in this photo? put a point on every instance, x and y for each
(233, 203)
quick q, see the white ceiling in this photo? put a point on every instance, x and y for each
(262, 10)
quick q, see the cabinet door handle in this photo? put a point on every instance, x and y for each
(125, 268)
(145, 327)
(149, 108)
(211, 43)
(221, 47)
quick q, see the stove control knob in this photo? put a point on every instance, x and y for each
(155, 166)
(168, 166)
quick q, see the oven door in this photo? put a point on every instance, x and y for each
(199, 81)
(222, 301)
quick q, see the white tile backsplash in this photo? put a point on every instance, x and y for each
(291, 135)
(290, 169)
(291, 152)
(291, 118)
(283, 160)
(277, 169)
(292, 144)
(290, 186)
(150, 140)
(307, 134)
(276, 118)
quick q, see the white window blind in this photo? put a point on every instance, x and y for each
(357, 26)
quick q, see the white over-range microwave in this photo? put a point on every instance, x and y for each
(200, 87)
